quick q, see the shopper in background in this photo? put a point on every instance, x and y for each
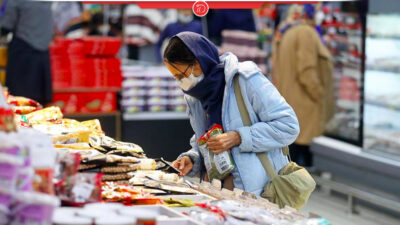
(141, 28)
(207, 81)
(185, 22)
(28, 67)
(70, 20)
(229, 19)
(303, 73)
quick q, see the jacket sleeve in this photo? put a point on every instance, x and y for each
(194, 156)
(306, 66)
(10, 17)
(278, 126)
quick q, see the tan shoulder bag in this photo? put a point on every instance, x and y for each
(293, 185)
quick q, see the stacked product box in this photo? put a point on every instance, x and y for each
(150, 89)
(79, 67)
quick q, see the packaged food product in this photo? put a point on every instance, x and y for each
(22, 110)
(146, 164)
(47, 114)
(171, 188)
(103, 144)
(116, 177)
(6, 196)
(133, 92)
(7, 121)
(9, 166)
(74, 146)
(134, 108)
(74, 137)
(43, 181)
(84, 167)
(109, 160)
(22, 101)
(110, 146)
(118, 169)
(171, 202)
(218, 166)
(93, 125)
(67, 164)
(157, 91)
(33, 208)
(126, 194)
(80, 188)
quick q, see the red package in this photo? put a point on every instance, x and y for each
(68, 102)
(22, 101)
(43, 181)
(80, 189)
(99, 102)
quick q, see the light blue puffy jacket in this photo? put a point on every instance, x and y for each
(274, 124)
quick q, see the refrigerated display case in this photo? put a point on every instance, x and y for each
(382, 86)
(342, 32)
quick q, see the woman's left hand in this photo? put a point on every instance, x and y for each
(223, 142)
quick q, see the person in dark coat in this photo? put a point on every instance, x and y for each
(28, 68)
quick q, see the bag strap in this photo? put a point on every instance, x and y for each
(266, 163)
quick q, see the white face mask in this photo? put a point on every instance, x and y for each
(189, 82)
(185, 19)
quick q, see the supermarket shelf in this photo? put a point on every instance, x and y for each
(155, 116)
(86, 89)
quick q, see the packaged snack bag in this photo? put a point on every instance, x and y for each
(80, 188)
(218, 166)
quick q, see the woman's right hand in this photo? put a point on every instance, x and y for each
(184, 165)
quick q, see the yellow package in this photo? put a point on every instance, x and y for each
(46, 114)
(75, 137)
(92, 124)
(75, 146)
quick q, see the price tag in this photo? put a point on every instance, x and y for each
(82, 192)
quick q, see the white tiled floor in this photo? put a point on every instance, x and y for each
(334, 209)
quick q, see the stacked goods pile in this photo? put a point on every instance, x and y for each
(150, 89)
(87, 63)
(27, 159)
(89, 157)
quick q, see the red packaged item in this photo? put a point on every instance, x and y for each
(7, 122)
(102, 46)
(99, 102)
(80, 189)
(218, 166)
(68, 102)
(43, 181)
(22, 101)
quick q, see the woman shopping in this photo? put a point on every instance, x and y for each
(208, 83)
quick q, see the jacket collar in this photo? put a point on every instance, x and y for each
(232, 66)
